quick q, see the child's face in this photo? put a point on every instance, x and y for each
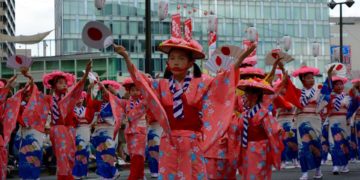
(338, 87)
(61, 84)
(81, 101)
(134, 92)
(179, 62)
(308, 80)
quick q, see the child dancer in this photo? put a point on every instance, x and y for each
(106, 128)
(62, 132)
(339, 127)
(261, 144)
(5, 87)
(135, 132)
(30, 109)
(82, 139)
(308, 122)
(177, 103)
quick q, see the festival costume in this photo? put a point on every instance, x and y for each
(308, 121)
(3, 150)
(62, 131)
(181, 148)
(135, 132)
(261, 143)
(83, 131)
(285, 117)
(107, 126)
(339, 131)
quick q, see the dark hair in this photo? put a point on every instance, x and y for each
(256, 91)
(302, 76)
(243, 65)
(196, 73)
(54, 80)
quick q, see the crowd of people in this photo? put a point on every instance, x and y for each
(193, 125)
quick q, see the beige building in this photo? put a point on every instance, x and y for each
(351, 37)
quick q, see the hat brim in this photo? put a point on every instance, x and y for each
(166, 48)
(266, 90)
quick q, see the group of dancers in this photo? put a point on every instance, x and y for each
(242, 120)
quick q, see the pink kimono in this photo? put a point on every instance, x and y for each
(264, 146)
(31, 116)
(62, 131)
(135, 135)
(184, 140)
(136, 128)
(3, 150)
(222, 157)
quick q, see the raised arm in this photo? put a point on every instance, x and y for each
(244, 55)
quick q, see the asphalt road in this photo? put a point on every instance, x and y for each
(289, 174)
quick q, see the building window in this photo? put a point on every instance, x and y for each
(37, 66)
(133, 28)
(52, 65)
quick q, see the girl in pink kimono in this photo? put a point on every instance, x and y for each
(261, 144)
(82, 139)
(135, 132)
(4, 135)
(29, 107)
(106, 128)
(63, 123)
(177, 102)
(222, 157)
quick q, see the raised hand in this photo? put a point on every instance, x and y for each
(10, 81)
(87, 70)
(121, 50)
(244, 55)
(330, 72)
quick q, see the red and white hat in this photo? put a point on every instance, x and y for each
(48, 78)
(179, 43)
(305, 70)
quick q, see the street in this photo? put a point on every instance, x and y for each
(290, 174)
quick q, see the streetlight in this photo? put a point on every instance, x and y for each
(332, 5)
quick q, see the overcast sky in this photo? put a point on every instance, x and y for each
(34, 16)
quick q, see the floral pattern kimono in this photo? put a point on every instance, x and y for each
(182, 146)
(308, 125)
(3, 150)
(135, 135)
(264, 146)
(32, 118)
(82, 153)
(104, 136)
(222, 158)
(285, 117)
(135, 132)
(62, 131)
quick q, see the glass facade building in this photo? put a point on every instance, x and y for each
(305, 21)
